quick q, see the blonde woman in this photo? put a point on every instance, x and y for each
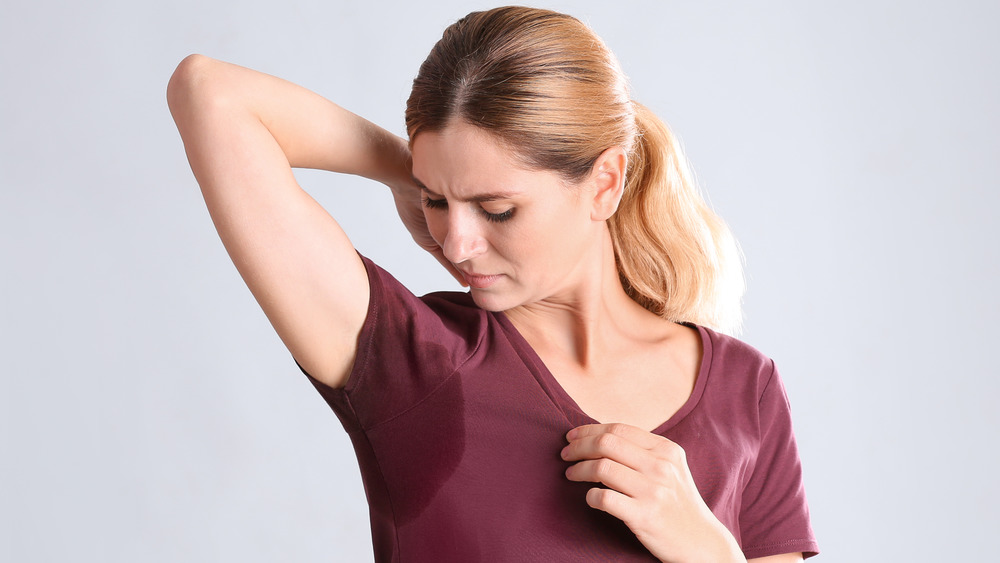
(578, 403)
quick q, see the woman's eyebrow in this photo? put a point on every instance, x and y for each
(420, 184)
(475, 198)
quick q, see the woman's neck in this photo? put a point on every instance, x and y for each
(590, 320)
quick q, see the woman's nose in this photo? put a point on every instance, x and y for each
(464, 240)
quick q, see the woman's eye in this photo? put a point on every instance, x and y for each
(442, 203)
(499, 217)
(435, 203)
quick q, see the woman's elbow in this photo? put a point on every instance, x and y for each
(189, 81)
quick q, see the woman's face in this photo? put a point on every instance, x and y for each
(519, 236)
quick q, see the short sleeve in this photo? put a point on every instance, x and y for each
(407, 347)
(775, 516)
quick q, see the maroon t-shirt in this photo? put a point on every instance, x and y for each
(458, 426)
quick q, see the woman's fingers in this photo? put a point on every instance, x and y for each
(622, 507)
(649, 487)
(642, 451)
(624, 458)
(439, 254)
(611, 473)
(638, 464)
(610, 446)
(636, 435)
(410, 209)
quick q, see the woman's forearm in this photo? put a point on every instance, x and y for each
(242, 130)
(312, 132)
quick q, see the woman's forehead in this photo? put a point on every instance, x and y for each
(467, 162)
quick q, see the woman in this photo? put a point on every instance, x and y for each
(573, 405)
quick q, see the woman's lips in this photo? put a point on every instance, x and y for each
(481, 281)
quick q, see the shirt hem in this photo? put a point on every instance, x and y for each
(807, 548)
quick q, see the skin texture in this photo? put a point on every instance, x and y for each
(549, 266)
(486, 214)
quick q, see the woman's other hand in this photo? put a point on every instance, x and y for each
(650, 489)
(409, 205)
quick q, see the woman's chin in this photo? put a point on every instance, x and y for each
(491, 300)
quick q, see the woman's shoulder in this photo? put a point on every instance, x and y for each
(437, 315)
(388, 285)
(731, 347)
(407, 347)
(735, 361)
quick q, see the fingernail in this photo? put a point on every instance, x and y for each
(571, 434)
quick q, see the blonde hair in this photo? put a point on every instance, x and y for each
(550, 90)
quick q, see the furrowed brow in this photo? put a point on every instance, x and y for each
(482, 198)
(477, 198)
(420, 184)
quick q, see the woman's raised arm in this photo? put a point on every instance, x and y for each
(243, 132)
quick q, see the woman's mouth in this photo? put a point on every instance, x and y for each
(481, 281)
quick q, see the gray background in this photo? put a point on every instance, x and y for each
(150, 413)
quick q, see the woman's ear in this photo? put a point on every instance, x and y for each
(608, 180)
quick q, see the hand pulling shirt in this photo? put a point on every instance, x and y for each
(458, 426)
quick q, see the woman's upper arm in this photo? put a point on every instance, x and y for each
(243, 131)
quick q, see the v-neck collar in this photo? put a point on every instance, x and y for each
(569, 407)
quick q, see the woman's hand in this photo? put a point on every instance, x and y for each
(651, 489)
(410, 207)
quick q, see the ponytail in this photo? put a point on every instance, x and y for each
(675, 256)
(545, 83)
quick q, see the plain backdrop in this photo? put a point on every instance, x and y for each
(149, 412)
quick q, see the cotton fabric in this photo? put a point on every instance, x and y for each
(458, 425)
